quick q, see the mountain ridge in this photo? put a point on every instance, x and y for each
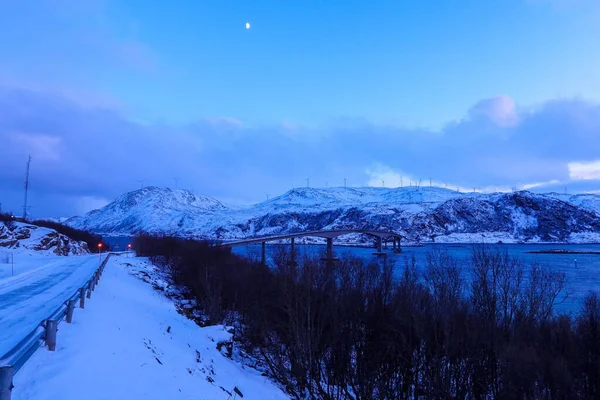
(424, 214)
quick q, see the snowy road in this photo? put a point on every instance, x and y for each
(28, 298)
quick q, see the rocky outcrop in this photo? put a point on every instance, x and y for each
(14, 235)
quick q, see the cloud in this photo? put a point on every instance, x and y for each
(584, 170)
(86, 155)
(500, 110)
(381, 175)
(43, 147)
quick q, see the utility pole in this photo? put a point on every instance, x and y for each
(26, 188)
(176, 181)
(267, 196)
(382, 183)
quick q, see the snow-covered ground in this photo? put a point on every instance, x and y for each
(131, 343)
(39, 287)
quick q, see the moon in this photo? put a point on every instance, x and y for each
(247, 25)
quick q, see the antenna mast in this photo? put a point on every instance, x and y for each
(26, 189)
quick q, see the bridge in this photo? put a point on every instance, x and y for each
(329, 235)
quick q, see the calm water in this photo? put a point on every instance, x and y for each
(582, 270)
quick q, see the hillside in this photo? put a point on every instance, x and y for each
(420, 214)
(19, 236)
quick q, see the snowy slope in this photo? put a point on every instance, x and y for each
(150, 209)
(587, 201)
(324, 199)
(130, 343)
(419, 214)
(19, 237)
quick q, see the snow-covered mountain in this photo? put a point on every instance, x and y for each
(420, 214)
(22, 236)
(152, 209)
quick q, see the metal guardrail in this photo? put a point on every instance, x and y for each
(44, 334)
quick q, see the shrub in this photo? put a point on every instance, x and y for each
(350, 330)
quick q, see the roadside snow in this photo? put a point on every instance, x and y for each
(131, 343)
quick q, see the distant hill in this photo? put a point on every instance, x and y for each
(426, 214)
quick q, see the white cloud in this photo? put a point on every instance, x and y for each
(381, 175)
(527, 186)
(500, 109)
(584, 170)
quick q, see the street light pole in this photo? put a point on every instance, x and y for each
(99, 254)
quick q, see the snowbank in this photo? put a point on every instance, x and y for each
(131, 343)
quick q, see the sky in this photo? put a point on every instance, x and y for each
(109, 95)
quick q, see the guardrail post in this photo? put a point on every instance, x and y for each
(51, 328)
(89, 291)
(70, 308)
(6, 381)
(82, 298)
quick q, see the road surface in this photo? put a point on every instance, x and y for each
(28, 298)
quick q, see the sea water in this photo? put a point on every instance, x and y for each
(581, 270)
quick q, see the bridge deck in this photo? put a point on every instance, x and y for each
(326, 234)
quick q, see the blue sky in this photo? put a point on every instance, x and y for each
(471, 93)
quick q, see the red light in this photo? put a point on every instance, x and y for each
(99, 244)
(129, 245)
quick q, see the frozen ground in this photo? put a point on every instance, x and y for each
(131, 343)
(40, 285)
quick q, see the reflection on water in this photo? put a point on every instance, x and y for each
(581, 269)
